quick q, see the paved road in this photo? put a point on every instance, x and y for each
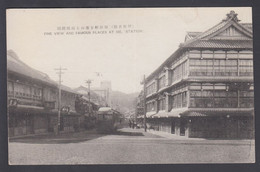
(127, 147)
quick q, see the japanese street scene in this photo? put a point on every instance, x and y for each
(130, 86)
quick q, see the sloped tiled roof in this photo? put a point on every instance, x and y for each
(248, 26)
(15, 65)
(191, 35)
(224, 24)
(83, 90)
(206, 39)
(68, 89)
(211, 30)
(234, 44)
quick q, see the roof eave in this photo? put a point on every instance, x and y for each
(171, 58)
(31, 78)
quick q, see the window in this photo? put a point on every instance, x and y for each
(213, 96)
(225, 67)
(220, 54)
(195, 93)
(245, 55)
(195, 86)
(179, 100)
(206, 54)
(177, 73)
(185, 68)
(246, 99)
(222, 63)
(225, 99)
(207, 86)
(150, 89)
(202, 98)
(184, 99)
(150, 106)
(37, 93)
(232, 54)
(231, 67)
(22, 90)
(219, 66)
(201, 67)
(194, 54)
(162, 82)
(246, 67)
(162, 104)
(220, 86)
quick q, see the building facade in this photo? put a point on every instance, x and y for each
(33, 101)
(205, 88)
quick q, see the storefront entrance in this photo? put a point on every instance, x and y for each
(182, 127)
(173, 127)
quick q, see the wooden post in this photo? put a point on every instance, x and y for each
(59, 100)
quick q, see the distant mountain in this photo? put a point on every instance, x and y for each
(123, 102)
(120, 101)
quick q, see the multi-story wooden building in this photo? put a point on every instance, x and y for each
(205, 88)
(33, 100)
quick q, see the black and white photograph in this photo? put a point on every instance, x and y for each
(130, 86)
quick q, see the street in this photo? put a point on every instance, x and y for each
(127, 146)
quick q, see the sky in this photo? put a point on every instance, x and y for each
(119, 45)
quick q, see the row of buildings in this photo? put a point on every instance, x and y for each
(33, 102)
(206, 87)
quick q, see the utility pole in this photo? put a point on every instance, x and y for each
(59, 100)
(89, 105)
(144, 103)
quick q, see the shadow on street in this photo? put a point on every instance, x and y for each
(58, 139)
(65, 138)
(126, 133)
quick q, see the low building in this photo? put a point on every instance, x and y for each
(33, 101)
(95, 98)
(206, 88)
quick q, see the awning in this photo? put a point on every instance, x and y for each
(195, 114)
(200, 112)
(177, 112)
(222, 79)
(222, 110)
(104, 109)
(150, 114)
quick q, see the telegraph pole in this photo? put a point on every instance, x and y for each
(144, 104)
(89, 82)
(59, 100)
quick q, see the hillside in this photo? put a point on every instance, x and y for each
(121, 101)
(124, 102)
